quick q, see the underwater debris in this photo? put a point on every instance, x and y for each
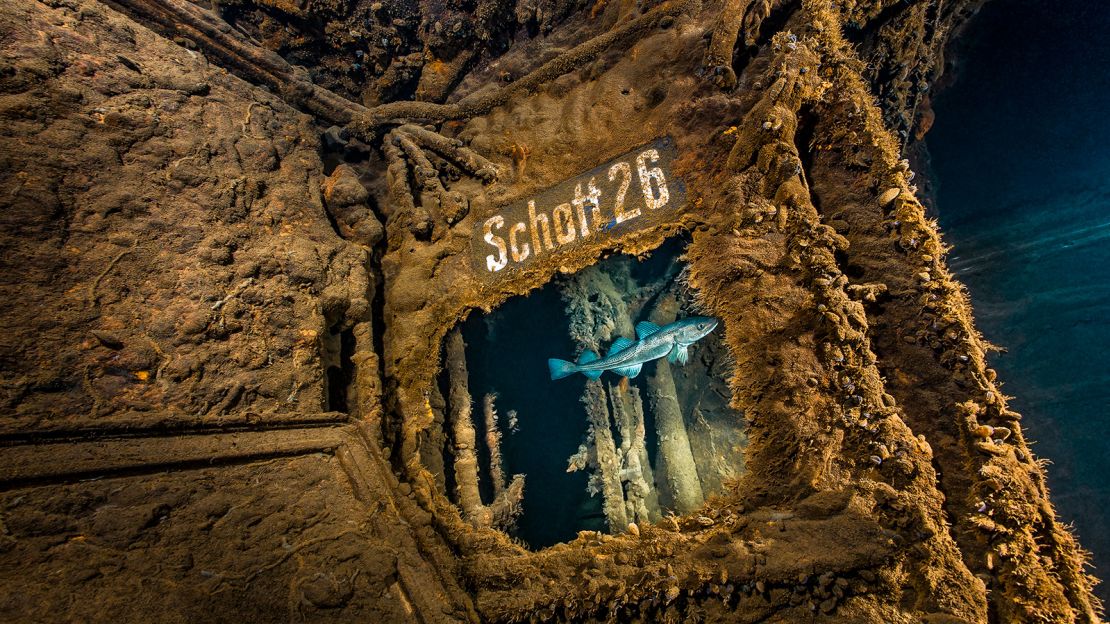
(506, 503)
(367, 122)
(346, 200)
(581, 459)
(682, 489)
(638, 486)
(889, 196)
(595, 304)
(493, 443)
(641, 499)
(411, 146)
(607, 462)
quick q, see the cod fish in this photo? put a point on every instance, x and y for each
(626, 357)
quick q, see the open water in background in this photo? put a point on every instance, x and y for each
(1020, 156)
(506, 353)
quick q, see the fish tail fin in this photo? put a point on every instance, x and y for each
(560, 368)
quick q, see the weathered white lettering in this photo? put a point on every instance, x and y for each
(593, 199)
(498, 263)
(535, 222)
(520, 254)
(646, 177)
(564, 223)
(624, 170)
(584, 210)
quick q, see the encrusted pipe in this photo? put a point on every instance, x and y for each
(397, 180)
(676, 470)
(718, 60)
(453, 150)
(433, 440)
(506, 505)
(466, 460)
(212, 35)
(370, 121)
(609, 465)
(426, 172)
(493, 442)
(642, 500)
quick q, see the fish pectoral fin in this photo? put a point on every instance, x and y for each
(620, 344)
(629, 371)
(645, 329)
(678, 354)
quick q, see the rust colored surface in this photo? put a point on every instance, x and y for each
(220, 349)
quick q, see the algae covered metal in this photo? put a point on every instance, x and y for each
(633, 191)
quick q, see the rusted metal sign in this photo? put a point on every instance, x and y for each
(628, 193)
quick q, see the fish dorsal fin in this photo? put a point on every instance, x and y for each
(645, 329)
(629, 371)
(587, 357)
(620, 344)
(678, 354)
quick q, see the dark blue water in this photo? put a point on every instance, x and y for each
(507, 353)
(1021, 156)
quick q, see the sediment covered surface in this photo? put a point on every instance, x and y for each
(233, 320)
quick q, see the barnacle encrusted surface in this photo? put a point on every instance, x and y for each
(210, 322)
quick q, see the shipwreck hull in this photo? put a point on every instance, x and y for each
(235, 383)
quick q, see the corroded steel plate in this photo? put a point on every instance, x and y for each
(631, 192)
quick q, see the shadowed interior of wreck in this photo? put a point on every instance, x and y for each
(595, 455)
